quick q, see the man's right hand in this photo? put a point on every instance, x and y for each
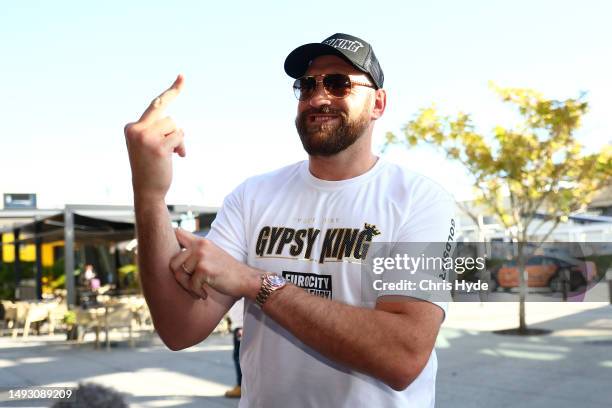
(151, 142)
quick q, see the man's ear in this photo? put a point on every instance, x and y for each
(380, 103)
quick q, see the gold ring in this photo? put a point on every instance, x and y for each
(185, 269)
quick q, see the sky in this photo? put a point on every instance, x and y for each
(73, 73)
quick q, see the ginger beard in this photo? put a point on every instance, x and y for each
(333, 136)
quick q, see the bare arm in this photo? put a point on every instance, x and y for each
(180, 316)
(392, 342)
(181, 319)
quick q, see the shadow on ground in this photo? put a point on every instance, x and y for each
(570, 367)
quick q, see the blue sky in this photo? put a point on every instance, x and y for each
(73, 73)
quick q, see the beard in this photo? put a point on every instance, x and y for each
(329, 139)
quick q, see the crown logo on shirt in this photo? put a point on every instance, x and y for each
(371, 229)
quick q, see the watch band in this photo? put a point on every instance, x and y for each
(270, 282)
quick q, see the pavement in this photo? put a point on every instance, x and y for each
(149, 375)
(571, 366)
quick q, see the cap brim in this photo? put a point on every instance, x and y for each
(298, 60)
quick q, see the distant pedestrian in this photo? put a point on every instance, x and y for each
(90, 279)
(236, 315)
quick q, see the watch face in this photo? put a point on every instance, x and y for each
(276, 280)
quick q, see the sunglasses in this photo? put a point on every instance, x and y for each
(335, 85)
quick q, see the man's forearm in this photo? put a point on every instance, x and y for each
(375, 342)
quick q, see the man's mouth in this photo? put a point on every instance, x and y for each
(322, 118)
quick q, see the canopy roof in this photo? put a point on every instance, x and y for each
(92, 224)
(86, 230)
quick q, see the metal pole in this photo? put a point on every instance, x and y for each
(116, 278)
(1, 251)
(38, 241)
(69, 255)
(16, 260)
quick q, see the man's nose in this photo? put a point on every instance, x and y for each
(319, 97)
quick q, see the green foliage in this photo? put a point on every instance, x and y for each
(6, 273)
(57, 269)
(128, 274)
(70, 318)
(538, 165)
(58, 283)
(7, 277)
(7, 282)
(534, 168)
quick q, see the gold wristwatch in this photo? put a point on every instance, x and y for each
(270, 282)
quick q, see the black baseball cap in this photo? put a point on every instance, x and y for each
(353, 49)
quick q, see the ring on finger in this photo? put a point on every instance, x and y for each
(187, 271)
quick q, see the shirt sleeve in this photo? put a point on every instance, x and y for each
(228, 229)
(428, 232)
(236, 314)
(429, 222)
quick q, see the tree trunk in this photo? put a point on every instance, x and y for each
(522, 288)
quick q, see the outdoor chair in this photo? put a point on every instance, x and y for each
(19, 315)
(104, 319)
(10, 314)
(27, 313)
(56, 316)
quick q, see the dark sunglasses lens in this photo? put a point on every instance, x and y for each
(338, 85)
(304, 87)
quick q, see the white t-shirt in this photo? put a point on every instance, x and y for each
(289, 222)
(236, 314)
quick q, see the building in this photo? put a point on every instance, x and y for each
(77, 234)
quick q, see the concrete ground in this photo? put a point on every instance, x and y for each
(571, 366)
(149, 375)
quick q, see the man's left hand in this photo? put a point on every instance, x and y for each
(202, 263)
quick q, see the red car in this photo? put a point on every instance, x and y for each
(548, 271)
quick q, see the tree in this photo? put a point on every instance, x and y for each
(534, 172)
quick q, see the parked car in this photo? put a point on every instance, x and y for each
(548, 271)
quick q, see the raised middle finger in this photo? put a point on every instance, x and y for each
(156, 107)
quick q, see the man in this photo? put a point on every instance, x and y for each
(291, 243)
